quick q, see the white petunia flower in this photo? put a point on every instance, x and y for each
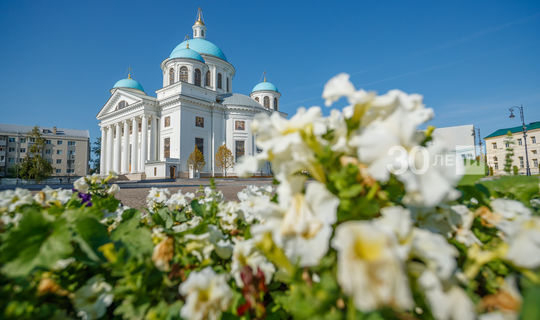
(302, 223)
(246, 254)
(523, 238)
(228, 214)
(207, 295)
(190, 224)
(370, 269)
(81, 185)
(113, 189)
(157, 197)
(336, 88)
(93, 298)
(202, 245)
(10, 200)
(435, 252)
(179, 200)
(254, 200)
(48, 196)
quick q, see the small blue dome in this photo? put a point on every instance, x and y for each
(265, 86)
(128, 83)
(186, 53)
(202, 46)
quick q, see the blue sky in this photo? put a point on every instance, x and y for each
(470, 59)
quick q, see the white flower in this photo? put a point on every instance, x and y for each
(507, 210)
(10, 200)
(370, 269)
(207, 295)
(63, 263)
(254, 200)
(245, 254)
(396, 221)
(92, 299)
(179, 200)
(435, 251)
(228, 215)
(81, 185)
(336, 88)
(157, 197)
(190, 224)
(49, 196)
(301, 223)
(202, 245)
(113, 189)
(523, 238)
(446, 304)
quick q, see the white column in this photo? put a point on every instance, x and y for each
(102, 162)
(109, 153)
(214, 78)
(153, 133)
(125, 151)
(144, 142)
(134, 146)
(116, 157)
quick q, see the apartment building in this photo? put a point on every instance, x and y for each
(496, 149)
(68, 150)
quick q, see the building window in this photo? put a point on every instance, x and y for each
(228, 85)
(521, 163)
(199, 143)
(59, 142)
(535, 163)
(167, 148)
(199, 122)
(257, 99)
(240, 125)
(71, 152)
(495, 159)
(71, 143)
(520, 142)
(533, 151)
(533, 139)
(207, 79)
(219, 80)
(32, 139)
(122, 104)
(238, 149)
(23, 140)
(11, 160)
(22, 150)
(48, 151)
(58, 151)
(11, 149)
(507, 145)
(494, 144)
(155, 171)
(167, 122)
(171, 76)
(184, 74)
(58, 170)
(58, 161)
(48, 142)
(275, 104)
(266, 102)
(11, 139)
(197, 77)
(496, 166)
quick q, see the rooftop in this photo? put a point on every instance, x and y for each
(46, 131)
(502, 132)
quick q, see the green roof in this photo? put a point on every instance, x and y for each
(502, 132)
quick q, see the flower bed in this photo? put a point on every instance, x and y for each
(356, 226)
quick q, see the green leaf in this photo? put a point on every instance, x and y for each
(530, 309)
(36, 242)
(91, 234)
(137, 240)
(521, 188)
(197, 208)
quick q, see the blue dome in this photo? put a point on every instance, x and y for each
(202, 46)
(128, 83)
(265, 86)
(186, 53)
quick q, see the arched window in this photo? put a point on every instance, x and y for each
(219, 85)
(266, 102)
(122, 104)
(197, 77)
(202, 33)
(275, 104)
(257, 99)
(207, 80)
(184, 74)
(171, 76)
(494, 158)
(228, 85)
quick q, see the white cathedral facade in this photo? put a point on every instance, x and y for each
(145, 136)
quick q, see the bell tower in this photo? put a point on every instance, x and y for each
(199, 29)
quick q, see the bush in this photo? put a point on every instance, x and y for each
(356, 240)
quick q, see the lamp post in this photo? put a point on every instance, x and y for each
(524, 130)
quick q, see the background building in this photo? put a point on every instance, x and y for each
(67, 150)
(496, 148)
(459, 139)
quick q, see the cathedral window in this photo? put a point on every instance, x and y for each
(199, 143)
(228, 90)
(275, 104)
(184, 74)
(240, 125)
(257, 99)
(239, 149)
(199, 122)
(219, 80)
(207, 80)
(167, 148)
(171, 76)
(122, 104)
(167, 122)
(197, 77)
(266, 102)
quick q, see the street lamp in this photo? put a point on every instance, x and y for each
(524, 130)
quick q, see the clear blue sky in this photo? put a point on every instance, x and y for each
(470, 59)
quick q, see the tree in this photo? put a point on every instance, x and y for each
(509, 157)
(34, 166)
(96, 151)
(516, 170)
(224, 159)
(196, 159)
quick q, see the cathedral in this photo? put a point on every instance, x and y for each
(146, 136)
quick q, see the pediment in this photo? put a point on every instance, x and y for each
(118, 100)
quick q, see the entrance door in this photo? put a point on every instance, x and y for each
(172, 172)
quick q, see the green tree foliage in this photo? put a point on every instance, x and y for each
(34, 166)
(515, 170)
(509, 156)
(196, 159)
(96, 152)
(224, 159)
